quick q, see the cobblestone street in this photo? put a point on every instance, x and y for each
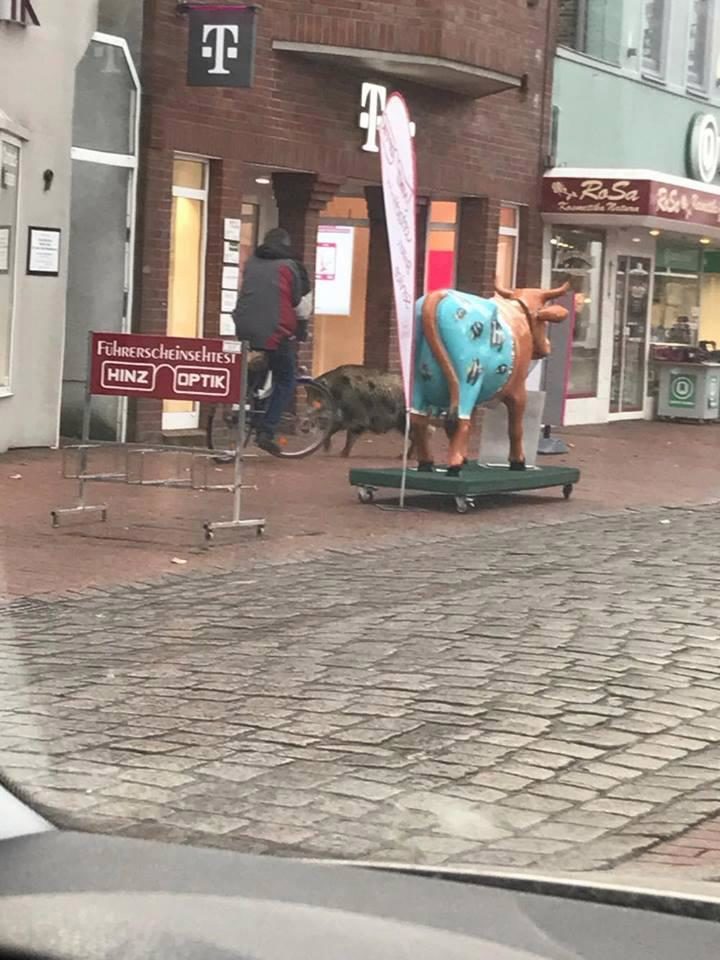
(545, 701)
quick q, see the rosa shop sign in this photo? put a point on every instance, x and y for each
(164, 368)
(641, 198)
(596, 195)
(686, 206)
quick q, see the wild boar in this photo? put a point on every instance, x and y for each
(365, 401)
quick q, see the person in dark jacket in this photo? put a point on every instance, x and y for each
(274, 284)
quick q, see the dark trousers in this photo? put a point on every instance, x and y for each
(282, 363)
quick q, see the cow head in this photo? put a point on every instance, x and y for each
(539, 312)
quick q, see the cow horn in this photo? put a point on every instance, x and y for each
(557, 292)
(504, 291)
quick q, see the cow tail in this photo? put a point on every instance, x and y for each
(432, 335)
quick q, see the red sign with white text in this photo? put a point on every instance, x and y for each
(165, 368)
(596, 195)
(641, 198)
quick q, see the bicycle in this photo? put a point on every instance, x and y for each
(305, 425)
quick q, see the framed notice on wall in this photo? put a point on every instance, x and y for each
(334, 270)
(5, 237)
(43, 256)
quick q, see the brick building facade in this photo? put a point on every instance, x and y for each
(476, 75)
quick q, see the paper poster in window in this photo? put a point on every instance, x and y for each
(334, 270)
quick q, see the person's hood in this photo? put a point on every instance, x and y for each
(268, 251)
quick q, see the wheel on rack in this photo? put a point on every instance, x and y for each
(567, 490)
(221, 430)
(261, 531)
(462, 504)
(366, 494)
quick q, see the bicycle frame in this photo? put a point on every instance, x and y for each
(256, 402)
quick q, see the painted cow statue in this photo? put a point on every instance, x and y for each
(470, 351)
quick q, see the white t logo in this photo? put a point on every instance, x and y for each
(373, 99)
(220, 48)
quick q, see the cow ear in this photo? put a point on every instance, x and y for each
(553, 314)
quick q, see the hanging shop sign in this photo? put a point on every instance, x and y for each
(221, 45)
(591, 196)
(703, 148)
(20, 12)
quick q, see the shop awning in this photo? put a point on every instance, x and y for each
(631, 198)
(436, 72)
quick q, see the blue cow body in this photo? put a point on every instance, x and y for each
(480, 346)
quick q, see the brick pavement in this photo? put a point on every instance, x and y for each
(309, 506)
(697, 850)
(545, 701)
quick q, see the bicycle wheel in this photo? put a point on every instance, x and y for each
(307, 423)
(221, 429)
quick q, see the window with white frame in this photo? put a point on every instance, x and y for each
(508, 238)
(699, 43)
(9, 175)
(102, 221)
(655, 19)
(593, 27)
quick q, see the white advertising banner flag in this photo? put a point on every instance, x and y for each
(397, 155)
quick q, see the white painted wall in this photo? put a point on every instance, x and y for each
(37, 68)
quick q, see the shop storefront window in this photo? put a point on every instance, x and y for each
(441, 246)
(506, 271)
(698, 43)
(654, 33)
(9, 173)
(341, 282)
(577, 256)
(676, 297)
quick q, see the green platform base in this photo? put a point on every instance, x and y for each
(476, 480)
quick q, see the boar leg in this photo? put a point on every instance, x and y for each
(516, 412)
(350, 438)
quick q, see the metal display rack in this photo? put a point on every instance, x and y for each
(129, 464)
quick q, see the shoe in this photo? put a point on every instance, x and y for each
(266, 443)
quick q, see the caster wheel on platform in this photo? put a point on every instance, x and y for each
(366, 495)
(567, 490)
(462, 504)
